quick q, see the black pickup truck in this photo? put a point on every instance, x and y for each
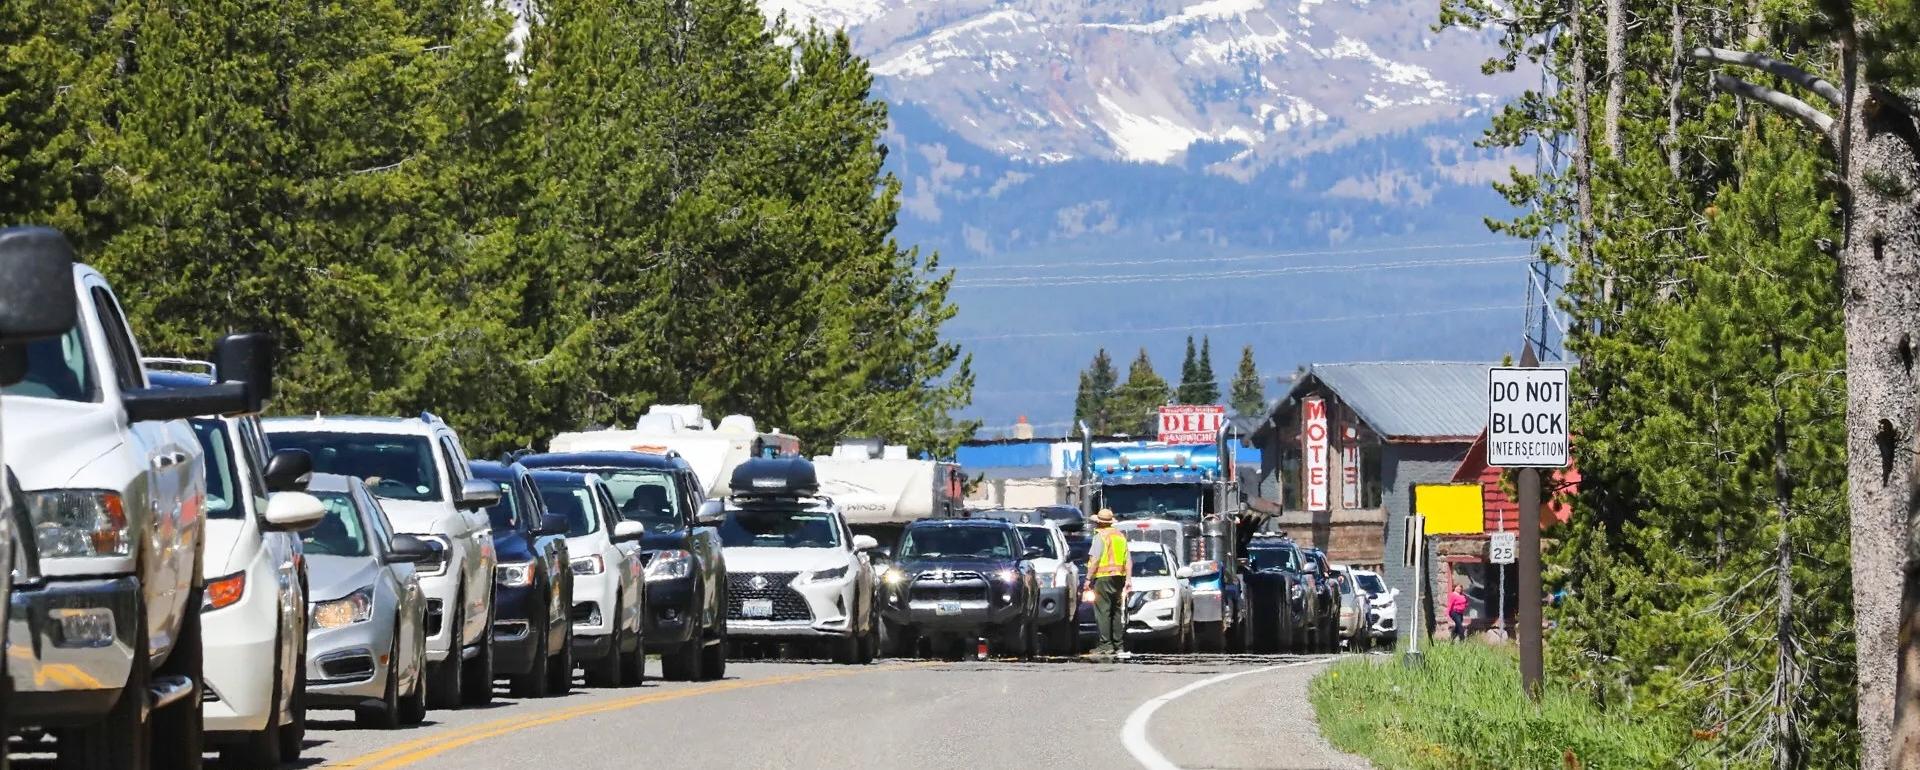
(956, 582)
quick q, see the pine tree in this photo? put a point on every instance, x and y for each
(1189, 375)
(1249, 394)
(1206, 386)
(1093, 403)
(1135, 406)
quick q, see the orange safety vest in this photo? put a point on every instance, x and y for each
(1112, 559)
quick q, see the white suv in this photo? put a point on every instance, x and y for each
(795, 573)
(1059, 583)
(416, 467)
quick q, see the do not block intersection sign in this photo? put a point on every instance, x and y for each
(1527, 417)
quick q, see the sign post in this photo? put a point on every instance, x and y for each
(1527, 429)
(1416, 542)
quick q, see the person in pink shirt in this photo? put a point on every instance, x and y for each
(1457, 611)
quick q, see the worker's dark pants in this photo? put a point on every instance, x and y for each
(1110, 611)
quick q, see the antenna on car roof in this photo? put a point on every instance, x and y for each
(426, 416)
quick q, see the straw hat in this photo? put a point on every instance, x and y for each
(1104, 518)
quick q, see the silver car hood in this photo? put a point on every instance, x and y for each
(331, 577)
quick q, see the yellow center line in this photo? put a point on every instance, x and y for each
(410, 752)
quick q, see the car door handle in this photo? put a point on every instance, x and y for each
(169, 459)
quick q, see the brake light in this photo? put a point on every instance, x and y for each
(224, 592)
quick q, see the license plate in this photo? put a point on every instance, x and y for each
(757, 608)
(947, 608)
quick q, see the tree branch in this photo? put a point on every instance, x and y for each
(1800, 77)
(1784, 103)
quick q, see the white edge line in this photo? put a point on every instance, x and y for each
(1133, 734)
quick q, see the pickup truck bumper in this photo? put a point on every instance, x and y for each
(1057, 604)
(673, 613)
(70, 648)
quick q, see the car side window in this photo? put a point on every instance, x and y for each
(126, 360)
(454, 466)
(254, 449)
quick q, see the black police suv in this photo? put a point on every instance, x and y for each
(686, 575)
(958, 581)
(532, 586)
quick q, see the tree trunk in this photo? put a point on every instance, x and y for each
(1881, 267)
(1673, 90)
(1582, 148)
(1616, 73)
(1786, 670)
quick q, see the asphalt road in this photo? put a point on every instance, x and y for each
(1227, 712)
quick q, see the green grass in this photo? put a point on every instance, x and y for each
(1463, 709)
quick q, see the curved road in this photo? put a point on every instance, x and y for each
(895, 713)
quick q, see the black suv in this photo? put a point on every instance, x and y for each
(1287, 596)
(686, 575)
(532, 586)
(955, 581)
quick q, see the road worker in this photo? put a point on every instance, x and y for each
(1110, 575)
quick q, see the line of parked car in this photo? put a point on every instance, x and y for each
(184, 575)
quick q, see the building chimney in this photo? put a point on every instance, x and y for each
(1023, 429)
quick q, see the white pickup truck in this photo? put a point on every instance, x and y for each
(104, 642)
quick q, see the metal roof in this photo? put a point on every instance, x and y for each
(1408, 399)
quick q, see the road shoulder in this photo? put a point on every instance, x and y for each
(1260, 720)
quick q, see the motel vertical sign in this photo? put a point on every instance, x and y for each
(1527, 417)
(1314, 445)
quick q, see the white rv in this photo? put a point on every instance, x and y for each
(880, 489)
(713, 451)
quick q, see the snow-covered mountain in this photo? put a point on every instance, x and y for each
(1039, 140)
(1145, 80)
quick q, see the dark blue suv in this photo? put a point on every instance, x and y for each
(533, 586)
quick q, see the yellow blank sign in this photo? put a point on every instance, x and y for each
(1451, 509)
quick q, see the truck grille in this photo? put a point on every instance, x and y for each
(788, 604)
(932, 586)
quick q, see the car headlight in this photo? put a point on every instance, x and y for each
(895, 577)
(1086, 595)
(356, 607)
(590, 564)
(514, 575)
(437, 563)
(828, 575)
(669, 565)
(1004, 576)
(1164, 593)
(1296, 591)
(78, 523)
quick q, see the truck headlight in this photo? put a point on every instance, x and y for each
(590, 564)
(356, 607)
(514, 575)
(437, 563)
(669, 565)
(1004, 576)
(895, 577)
(828, 575)
(78, 523)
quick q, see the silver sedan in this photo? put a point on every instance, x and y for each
(366, 629)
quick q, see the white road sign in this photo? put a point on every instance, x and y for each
(1501, 547)
(1527, 417)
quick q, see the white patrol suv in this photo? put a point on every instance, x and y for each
(795, 573)
(416, 467)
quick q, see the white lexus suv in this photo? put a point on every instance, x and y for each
(795, 573)
(415, 465)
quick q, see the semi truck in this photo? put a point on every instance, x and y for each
(1185, 497)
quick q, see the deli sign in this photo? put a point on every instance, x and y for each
(1191, 423)
(1314, 444)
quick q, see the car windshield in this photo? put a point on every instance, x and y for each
(1266, 559)
(1150, 501)
(779, 529)
(223, 493)
(57, 368)
(644, 496)
(394, 467)
(1149, 564)
(1370, 584)
(576, 503)
(956, 542)
(506, 513)
(1041, 538)
(340, 533)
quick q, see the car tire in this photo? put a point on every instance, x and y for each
(260, 749)
(683, 663)
(178, 731)
(1063, 639)
(477, 689)
(604, 672)
(846, 650)
(385, 715)
(713, 660)
(445, 678)
(293, 734)
(560, 669)
(122, 738)
(1210, 637)
(535, 682)
(633, 665)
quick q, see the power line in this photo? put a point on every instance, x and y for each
(1242, 325)
(1075, 391)
(1240, 258)
(1130, 278)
